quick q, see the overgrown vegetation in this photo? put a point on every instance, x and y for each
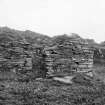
(49, 92)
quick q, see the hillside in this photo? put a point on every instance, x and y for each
(34, 39)
(23, 69)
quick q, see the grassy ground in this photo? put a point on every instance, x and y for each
(49, 92)
(99, 72)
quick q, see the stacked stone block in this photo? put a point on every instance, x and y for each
(70, 57)
(13, 57)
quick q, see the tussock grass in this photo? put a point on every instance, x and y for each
(49, 92)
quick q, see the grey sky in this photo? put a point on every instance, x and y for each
(55, 17)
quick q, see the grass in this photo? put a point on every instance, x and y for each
(49, 92)
(99, 72)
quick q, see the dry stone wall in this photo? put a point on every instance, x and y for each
(69, 57)
(36, 54)
(23, 59)
(14, 56)
(65, 57)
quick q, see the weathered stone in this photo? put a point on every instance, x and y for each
(82, 66)
(90, 74)
(77, 57)
(90, 65)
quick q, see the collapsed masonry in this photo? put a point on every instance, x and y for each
(14, 56)
(71, 57)
(22, 58)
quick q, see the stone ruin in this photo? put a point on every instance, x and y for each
(71, 57)
(15, 57)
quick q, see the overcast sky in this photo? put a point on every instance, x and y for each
(55, 17)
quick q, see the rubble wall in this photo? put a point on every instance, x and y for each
(70, 57)
(20, 57)
(14, 56)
